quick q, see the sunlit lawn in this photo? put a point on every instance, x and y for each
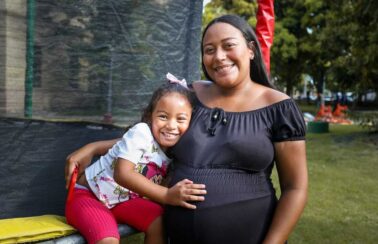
(343, 189)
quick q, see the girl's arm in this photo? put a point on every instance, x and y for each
(293, 178)
(82, 157)
(178, 195)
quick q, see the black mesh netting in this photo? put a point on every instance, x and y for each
(88, 58)
(32, 160)
(79, 59)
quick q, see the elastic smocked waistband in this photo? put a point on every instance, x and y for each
(226, 185)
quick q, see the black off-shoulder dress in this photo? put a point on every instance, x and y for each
(232, 153)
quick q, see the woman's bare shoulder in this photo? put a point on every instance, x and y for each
(272, 96)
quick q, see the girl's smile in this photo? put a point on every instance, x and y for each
(170, 119)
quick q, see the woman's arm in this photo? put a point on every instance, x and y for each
(82, 157)
(178, 195)
(293, 178)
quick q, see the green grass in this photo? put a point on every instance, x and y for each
(343, 189)
(343, 192)
(134, 239)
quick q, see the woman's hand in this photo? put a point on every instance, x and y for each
(82, 157)
(184, 192)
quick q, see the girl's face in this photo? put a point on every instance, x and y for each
(170, 119)
(226, 55)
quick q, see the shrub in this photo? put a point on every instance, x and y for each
(367, 119)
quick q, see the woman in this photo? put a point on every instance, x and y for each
(240, 127)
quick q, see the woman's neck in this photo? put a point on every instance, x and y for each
(235, 99)
(236, 91)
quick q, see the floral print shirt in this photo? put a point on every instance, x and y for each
(137, 146)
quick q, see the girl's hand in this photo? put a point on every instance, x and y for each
(184, 192)
(80, 158)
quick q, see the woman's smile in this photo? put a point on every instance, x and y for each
(224, 69)
(226, 56)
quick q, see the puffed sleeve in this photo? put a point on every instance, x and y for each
(289, 124)
(135, 142)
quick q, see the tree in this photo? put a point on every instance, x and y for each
(287, 58)
(355, 65)
(314, 44)
(335, 42)
(284, 51)
(244, 8)
(341, 47)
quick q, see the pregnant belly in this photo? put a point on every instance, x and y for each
(225, 186)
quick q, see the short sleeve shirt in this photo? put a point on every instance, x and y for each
(137, 146)
(232, 153)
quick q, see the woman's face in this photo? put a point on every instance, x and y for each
(226, 56)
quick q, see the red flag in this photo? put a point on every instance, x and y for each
(265, 28)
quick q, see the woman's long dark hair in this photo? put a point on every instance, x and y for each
(258, 71)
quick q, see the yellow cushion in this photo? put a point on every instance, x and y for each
(28, 229)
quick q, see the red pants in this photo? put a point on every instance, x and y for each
(95, 221)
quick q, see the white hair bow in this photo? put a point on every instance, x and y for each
(172, 79)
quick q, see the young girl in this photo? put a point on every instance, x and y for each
(123, 186)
